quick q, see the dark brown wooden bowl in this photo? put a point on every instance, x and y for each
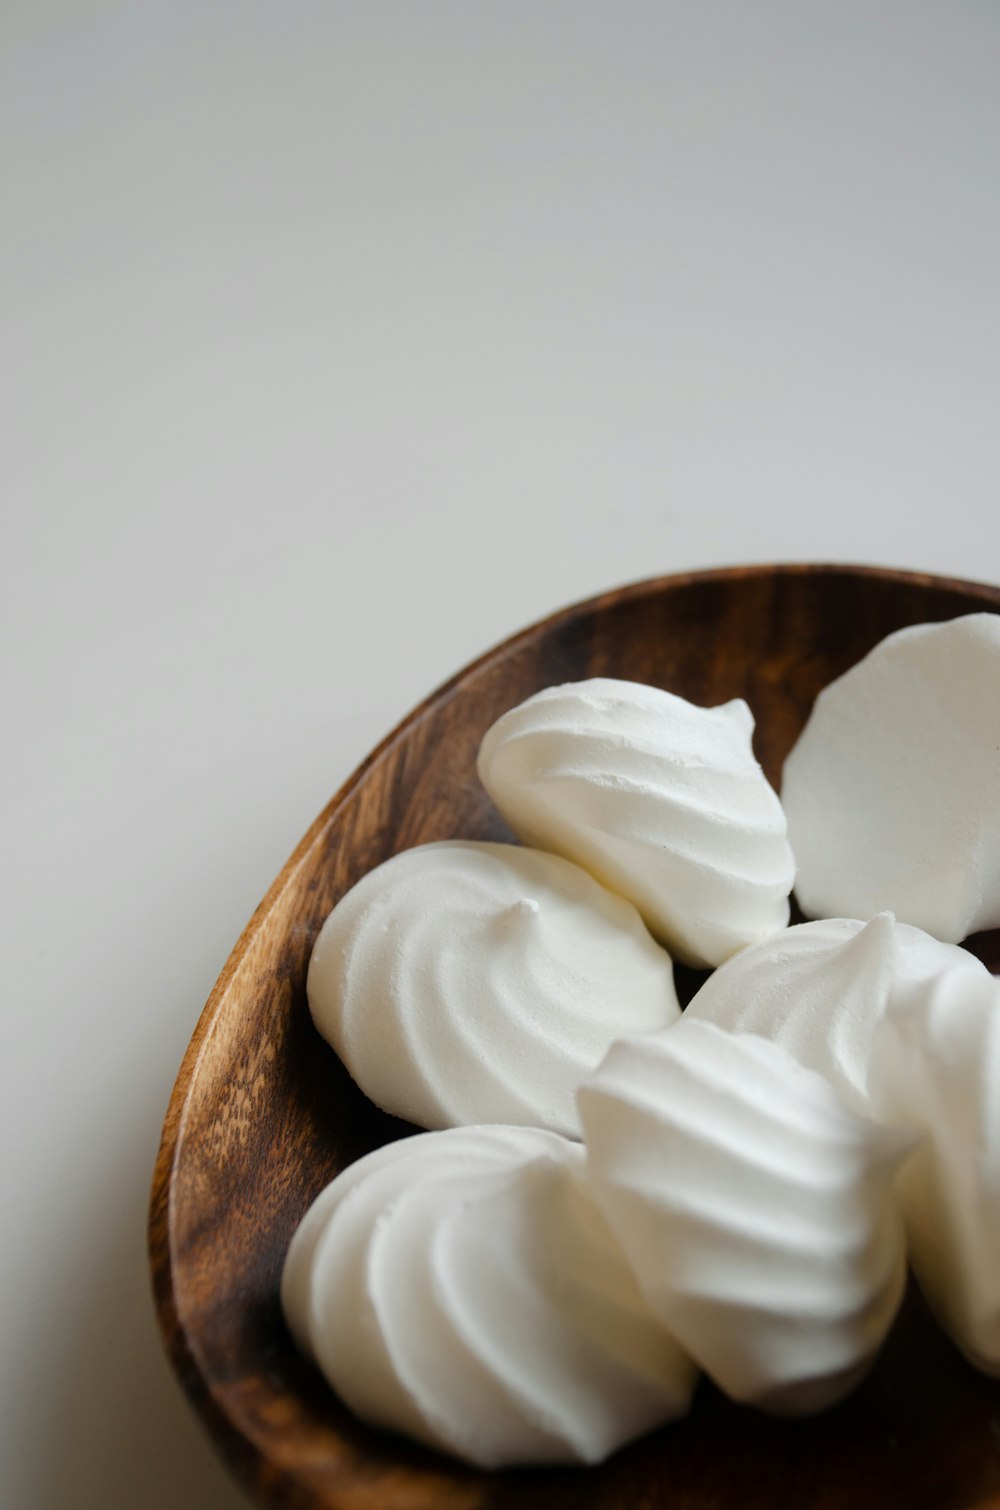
(263, 1114)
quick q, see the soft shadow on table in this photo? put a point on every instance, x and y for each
(121, 1435)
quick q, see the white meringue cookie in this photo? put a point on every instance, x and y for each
(463, 982)
(660, 799)
(893, 789)
(462, 1287)
(498, 1145)
(820, 990)
(754, 1207)
(936, 1065)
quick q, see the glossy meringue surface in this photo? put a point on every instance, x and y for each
(662, 800)
(820, 989)
(465, 982)
(936, 1066)
(465, 1290)
(754, 1207)
(892, 790)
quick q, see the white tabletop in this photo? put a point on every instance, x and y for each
(341, 340)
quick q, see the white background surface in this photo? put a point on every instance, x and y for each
(340, 341)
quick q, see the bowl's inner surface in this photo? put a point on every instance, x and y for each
(264, 1115)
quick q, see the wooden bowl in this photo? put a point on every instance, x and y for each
(263, 1114)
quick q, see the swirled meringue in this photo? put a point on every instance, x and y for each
(754, 1207)
(481, 1146)
(462, 982)
(820, 989)
(462, 1287)
(936, 1065)
(893, 789)
(660, 799)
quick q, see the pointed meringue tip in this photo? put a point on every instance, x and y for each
(879, 930)
(738, 709)
(874, 945)
(521, 911)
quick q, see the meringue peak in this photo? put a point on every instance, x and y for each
(753, 1207)
(524, 910)
(821, 989)
(463, 982)
(661, 800)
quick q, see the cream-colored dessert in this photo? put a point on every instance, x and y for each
(755, 1209)
(480, 1146)
(821, 989)
(892, 791)
(462, 1287)
(661, 800)
(936, 1065)
(464, 983)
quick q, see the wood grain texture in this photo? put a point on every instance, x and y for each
(263, 1114)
